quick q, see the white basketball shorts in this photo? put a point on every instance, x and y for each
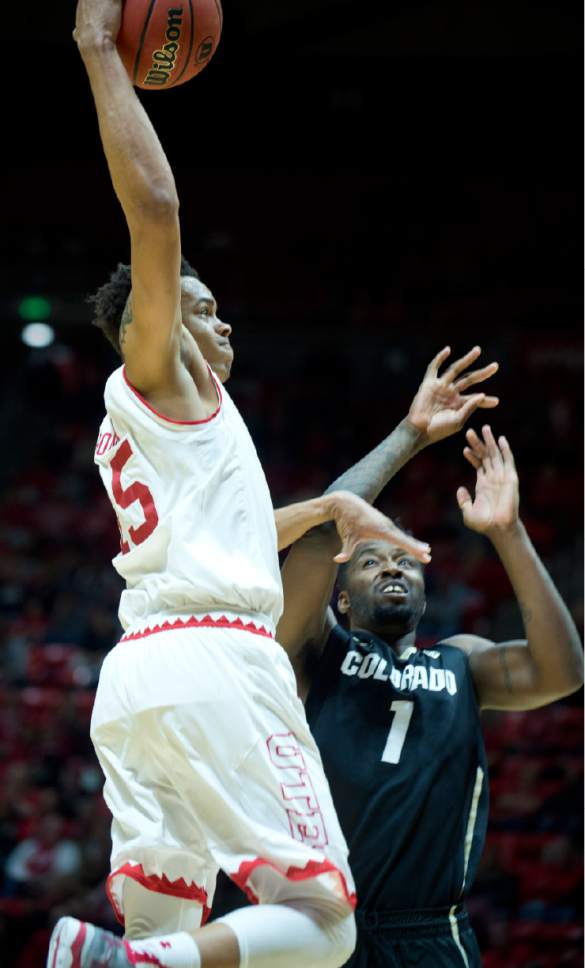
(209, 764)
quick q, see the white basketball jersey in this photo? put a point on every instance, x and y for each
(195, 515)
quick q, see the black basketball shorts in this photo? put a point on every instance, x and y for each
(437, 938)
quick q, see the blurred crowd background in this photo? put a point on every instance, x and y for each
(356, 199)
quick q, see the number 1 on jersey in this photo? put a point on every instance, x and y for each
(402, 710)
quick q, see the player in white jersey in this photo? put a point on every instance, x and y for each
(198, 531)
(208, 759)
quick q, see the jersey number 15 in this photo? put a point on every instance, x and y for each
(125, 496)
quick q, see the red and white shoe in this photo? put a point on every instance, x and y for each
(78, 944)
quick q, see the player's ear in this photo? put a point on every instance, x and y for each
(343, 603)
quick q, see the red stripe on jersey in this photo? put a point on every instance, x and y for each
(198, 623)
(180, 423)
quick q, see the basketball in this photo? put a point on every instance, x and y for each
(164, 43)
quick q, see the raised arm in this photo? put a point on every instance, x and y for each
(548, 664)
(439, 409)
(353, 519)
(143, 181)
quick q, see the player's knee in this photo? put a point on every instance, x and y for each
(344, 937)
(341, 933)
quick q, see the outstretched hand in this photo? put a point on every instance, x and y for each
(358, 521)
(96, 19)
(496, 503)
(439, 408)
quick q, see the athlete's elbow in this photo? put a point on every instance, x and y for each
(345, 940)
(567, 680)
(578, 672)
(155, 204)
(161, 206)
(574, 667)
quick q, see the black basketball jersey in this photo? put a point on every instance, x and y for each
(403, 751)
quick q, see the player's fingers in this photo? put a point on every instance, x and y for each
(488, 403)
(463, 498)
(419, 549)
(459, 365)
(473, 459)
(438, 360)
(493, 460)
(507, 455)
(345, 554)
(490, 442)
(475, 442)
(477, 376)
(471, 403)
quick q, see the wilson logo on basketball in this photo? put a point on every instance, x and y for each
(165, 58)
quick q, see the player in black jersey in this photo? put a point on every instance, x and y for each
(398, 727)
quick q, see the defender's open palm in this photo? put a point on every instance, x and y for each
(495, 505)
(358, 521)
(439, 408)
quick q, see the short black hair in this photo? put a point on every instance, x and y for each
(110, 300)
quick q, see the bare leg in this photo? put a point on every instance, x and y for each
(218, 946)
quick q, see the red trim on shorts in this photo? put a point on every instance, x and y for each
(197, 623)
(312, 868)
(180, 423)
(161, 885)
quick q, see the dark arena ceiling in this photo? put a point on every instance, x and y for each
(428, 91)
(285, 69)
(377, 27)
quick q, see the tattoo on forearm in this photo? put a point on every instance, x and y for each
(505, 668)
(367, 478)
(371, 474)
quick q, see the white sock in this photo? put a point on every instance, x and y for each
(171, 951)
